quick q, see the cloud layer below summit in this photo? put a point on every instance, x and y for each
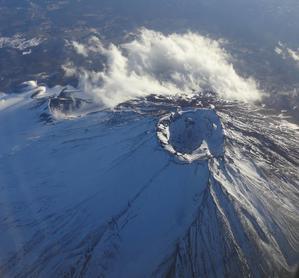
(163, 64)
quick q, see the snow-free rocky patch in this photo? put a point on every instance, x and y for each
(192, 135)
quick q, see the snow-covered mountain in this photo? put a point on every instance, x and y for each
(160, 186)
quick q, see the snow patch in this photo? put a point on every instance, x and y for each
(20, 43)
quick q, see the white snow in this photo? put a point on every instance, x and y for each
(192, 135)
(102, 194)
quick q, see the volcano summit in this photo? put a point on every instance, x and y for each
(159, 186)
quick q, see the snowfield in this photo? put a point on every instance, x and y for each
(156, 187)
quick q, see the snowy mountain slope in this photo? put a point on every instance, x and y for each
(104, 195)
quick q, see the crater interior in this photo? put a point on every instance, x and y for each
(192, 135)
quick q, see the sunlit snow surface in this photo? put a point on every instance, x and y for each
(125, 193)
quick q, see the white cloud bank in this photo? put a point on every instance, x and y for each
(162, 64)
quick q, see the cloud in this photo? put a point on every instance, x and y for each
(69, 69)
(162, 64)
(294, 54)
(94, 45)
(80, 49)
(287, 53)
